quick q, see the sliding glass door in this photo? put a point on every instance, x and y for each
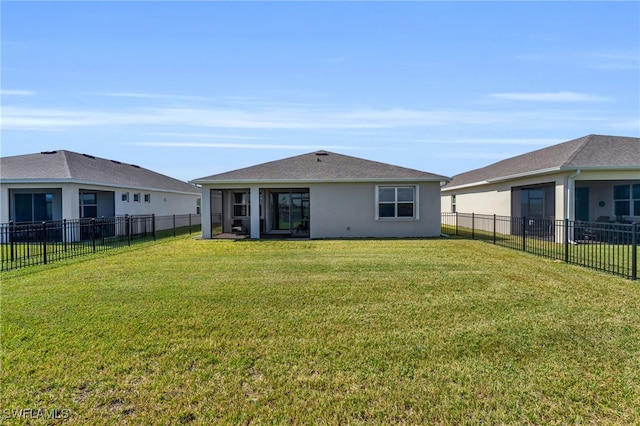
(289, 212)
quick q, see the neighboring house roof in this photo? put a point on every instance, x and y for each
(67, 166)
(320, 166)
(592, 152)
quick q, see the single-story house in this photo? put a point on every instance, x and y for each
(322, 195)
(585, 179)
(56, 185)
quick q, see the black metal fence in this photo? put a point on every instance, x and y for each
(27, 244)
(605, 246)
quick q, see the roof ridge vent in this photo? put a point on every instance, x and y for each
(116, 161)
(89, 156)
(135, 165)
(322, 153)
(48, 152)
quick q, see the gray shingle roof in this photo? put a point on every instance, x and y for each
(68, 166)
(588, 152)
(321, 166)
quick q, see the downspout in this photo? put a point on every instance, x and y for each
(571, 202)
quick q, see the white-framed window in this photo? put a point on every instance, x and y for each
(136, 197)
(147, 198)
(453, 203)
(198, 205)
(88, 205)
(626, 200)
(241, 204)
(396, 202)
(125, 197)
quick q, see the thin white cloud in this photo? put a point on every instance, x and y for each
(485, 155)
(234, 145)
(204, 135)
(30, 118)
(633, 124)
(43, 118)
(6, 92)
(490, 141)
(548, 97)
(613, 60)
(157, 96)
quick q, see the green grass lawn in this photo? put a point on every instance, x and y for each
(614, 258)
(332, 332)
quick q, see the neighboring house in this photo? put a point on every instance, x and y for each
(590, 178)
(322, 195)
(56, 185)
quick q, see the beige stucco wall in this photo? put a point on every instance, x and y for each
(162, 203)
(601, 190)
(495, 198)
(489, 200)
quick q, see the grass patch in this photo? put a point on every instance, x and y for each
(361, 331)
(613, 258)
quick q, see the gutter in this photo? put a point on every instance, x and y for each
(110, 186)
(310, 181)
(540, 172)
(505, 178)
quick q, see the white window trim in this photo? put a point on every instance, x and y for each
(83, 204)
(246, 205)
(416, 203)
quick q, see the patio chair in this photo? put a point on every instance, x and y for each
(236, 227)
(600, 230)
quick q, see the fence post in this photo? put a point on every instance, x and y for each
(64, 235)
(127, 226)
(189, 223)
(473, 226)
(12, 237)
(44, 242)
(634, 254)
(174, 225)
(494, 228)
(457, 224)
(524, 233)
(566, 240)
(93, 233)
(153, 225)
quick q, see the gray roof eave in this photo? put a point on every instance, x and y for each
(541, 172)
(308, 181)
(547, 171)
(504, 178)
(602, 168)
(93, 183)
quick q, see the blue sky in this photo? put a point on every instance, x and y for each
(194, 89)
